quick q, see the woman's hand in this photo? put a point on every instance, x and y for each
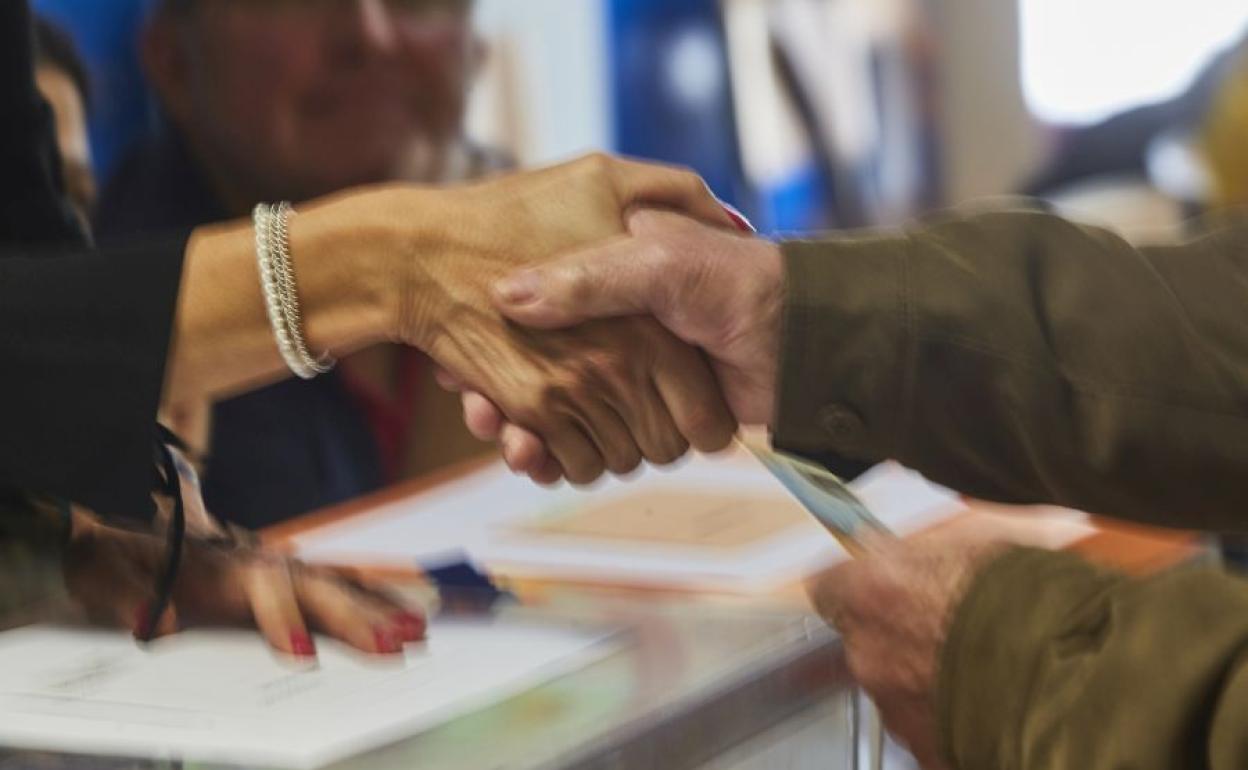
(603, 396)
(415, 265)
(111, 572)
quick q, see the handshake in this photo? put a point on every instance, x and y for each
(597, 315)
(594, 315)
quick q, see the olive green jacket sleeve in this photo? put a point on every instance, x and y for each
(1052, 664)
(1019, 357)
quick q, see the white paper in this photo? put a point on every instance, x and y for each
(480, 515)
(223, 697)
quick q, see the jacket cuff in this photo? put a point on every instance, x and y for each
(1017, 606)
(844, 347)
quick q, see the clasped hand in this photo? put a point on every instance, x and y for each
(604, 395)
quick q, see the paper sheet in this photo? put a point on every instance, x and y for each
(721, 523)
(222, 697)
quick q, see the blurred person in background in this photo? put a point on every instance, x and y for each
(1222, 137)
(61, 79)
(63, 82)
(274, 100)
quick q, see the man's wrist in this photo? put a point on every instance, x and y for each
(726, 296)
(769, 304)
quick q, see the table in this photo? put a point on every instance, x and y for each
(710, 683)
(692, 681)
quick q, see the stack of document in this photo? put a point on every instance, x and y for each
(223, 697)
(719, 523)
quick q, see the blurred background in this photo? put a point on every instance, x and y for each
(811, 114)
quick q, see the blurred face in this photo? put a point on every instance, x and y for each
(63, 96)
(298, 98)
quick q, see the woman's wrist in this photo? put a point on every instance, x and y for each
(223, 339)
(400, 236)
(343, 272)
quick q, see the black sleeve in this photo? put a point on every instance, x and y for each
(83, 336)
(83, 340)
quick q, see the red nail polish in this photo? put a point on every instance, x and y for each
(738, 219)
(386, 641)
(142, 627)
(411, 627)
(301, 644)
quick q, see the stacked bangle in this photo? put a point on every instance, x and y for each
(281, 296)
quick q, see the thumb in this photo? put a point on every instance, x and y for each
(616, 279)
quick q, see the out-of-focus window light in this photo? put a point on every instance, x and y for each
(1084, 60)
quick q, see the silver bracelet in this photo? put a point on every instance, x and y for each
(281, 297)
(284, 269)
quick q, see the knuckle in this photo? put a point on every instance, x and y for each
(684, 172)
(577, 283)
(669, 451)
(625, 460)
(554, 392)
(693, 181)
(586, 471)
(630, 465)
(661, 254)
(708, 428)
(598, 162)
(533, 412)
(579, 386)
(604, 365)
(594, 375)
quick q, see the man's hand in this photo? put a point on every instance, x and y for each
(714, 289)
(710, 287)
(893, 608)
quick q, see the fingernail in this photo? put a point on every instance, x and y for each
(301, 645)
(520, 288)
(143, 622)
(411, 627)
(743, 224)
(386, 641)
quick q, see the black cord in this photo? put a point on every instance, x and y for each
(177, 537)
